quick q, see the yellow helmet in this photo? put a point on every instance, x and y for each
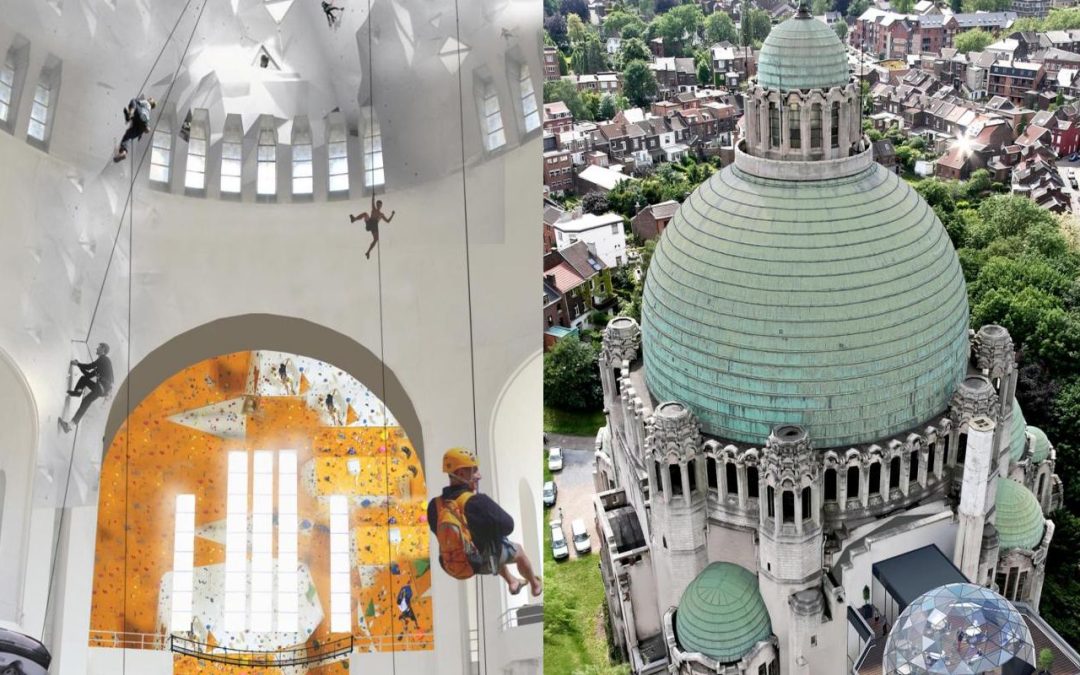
(458, 458)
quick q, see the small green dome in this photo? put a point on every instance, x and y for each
(1018, 437)
(1041, 446)
(802, 53)
(835, 304)
(721, 613)
(1020, 521)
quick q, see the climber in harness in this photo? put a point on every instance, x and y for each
(472, 530)
(137, 115)
(404, 603)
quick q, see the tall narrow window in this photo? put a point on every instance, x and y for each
(794, 127)
(913, 467)
(807, 504)
(853, 482)
(930, 458)
(894, 473)
(691, 475)
(266, 178)
(183, 563)
(339, 160)
(815, 126)
(834, 124)
(787, 498)
(373, 153)
(830, 485)
(659, 487)
(675, 475)
(875, 478)
(340, 598)
(262, 542)
(752, 482)
(1021, 586)
(732, 478)
(236, 531)
(528, 101)
(288, 581)
(195, 174)
(961, 449)
(710, 470)
(161, 154)
(774, 126)
(301, 170)
(491, 118)
(771, 498)
(7, 88)
(231, 149)
(39, 112)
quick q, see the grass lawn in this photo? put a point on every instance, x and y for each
(572, 423)
(575, 641)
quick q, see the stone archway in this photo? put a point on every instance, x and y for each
(263, 332)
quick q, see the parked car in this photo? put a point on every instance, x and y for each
(555, 459)
(1074, 157)
(551, 492)
(559, 549)
(582, 543)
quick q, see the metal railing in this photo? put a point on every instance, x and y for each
(116, 640)
(295, 656)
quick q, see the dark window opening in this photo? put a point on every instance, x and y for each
(830, 485)
(853, 482)
(834, 125)
(710, 473)
(961, 451)
(913, 467)
(875, 478)
(732, 478)
(807, 508)
(794, 128)
(771, 494)
(659, 487)
(691, 475)
(751, 482)
(930, 458)
(1020, 586)
(676, 479)
(894, 473)
(615, 378)
(788, 498)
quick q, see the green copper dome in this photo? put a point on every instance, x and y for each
(1041, 449)
(721, 613)
(1018, 435)
(1019, 521)
(802, 53)
(836, 304)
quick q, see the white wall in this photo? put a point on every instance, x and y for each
(18, 441)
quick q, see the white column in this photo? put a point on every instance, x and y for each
(974, 500)
(684, 476)
(740, 470)
(236, 543)
(183, 563)
(288, 577)
(340, 596)
(262, 543)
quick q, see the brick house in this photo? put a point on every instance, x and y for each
(1063, 125)
(1014, 79)
(551, 63)
(557, 118)
(650, 221)
(558, 170)
(575, 283)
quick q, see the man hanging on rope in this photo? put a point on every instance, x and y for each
(137, 115)
(328, 8)
(97, 376)
(371, 220)
(404, 603)
(472, 529)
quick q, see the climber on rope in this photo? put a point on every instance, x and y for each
(472, 529)
(137, 115)
(371, 220)
(328, 8)
(404, 603)
(97, 378)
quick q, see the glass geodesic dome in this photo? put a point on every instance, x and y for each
(957, 629)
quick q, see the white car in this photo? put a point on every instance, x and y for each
(550, 493)
(555, 459)
(582, 543)
(559, 549)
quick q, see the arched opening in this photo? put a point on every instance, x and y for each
(18, 455)
(675, 475)
(834, 125)
(853, 482)
(875, 478)
(691, 475)
(1042, 484)
(788, 506)
(815, 126)
(239, 494)
(913, 467)
(710, 473)
(752, 482)
(930, 458)
(658, 488)
(770, 493)
(794, 127)
(774, 125)
(732, 478)
(807, 504)
(830, 485)
(894, 473)
(961, 449)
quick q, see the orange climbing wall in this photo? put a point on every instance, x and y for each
(152, 459)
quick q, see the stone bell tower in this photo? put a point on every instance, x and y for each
(678, 494)
(993, 354)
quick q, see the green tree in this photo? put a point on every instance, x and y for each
(575, 30)
(595, 203)
(974, 40)
(588, 55)
(1062, 18)
(618, 20)
(819, 7)
(591, 101)
(857, 7)
(678, 27)
(902, 6)
(986, 5)
(578, 7)
(720, 28)
(841, 30)
(633, 50)
(565, 91)
(571, 376)
(608, 107)
(555, 27)
(639, 83)
(758, 25)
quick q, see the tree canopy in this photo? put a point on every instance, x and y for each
(639, 83)
(974, 40)
(571, 377)
(720, 28)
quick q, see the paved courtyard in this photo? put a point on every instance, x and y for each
(575, 483)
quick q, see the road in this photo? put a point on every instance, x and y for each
(575, 484)
(1064, 166)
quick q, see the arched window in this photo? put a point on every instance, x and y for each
(875, 478)
(794, 127)
(710, 473)
(930, 457)
(853, 482)
(732, 478)
(788, 498)
(774, 126)
(815, 126)
(894, 473)
(1042, 481)
(913, 467)
(691, 474)
(676, 479)
(771, 498)
(807, 505)
(830, 485)
(961, 450)
(834, 124)
(752, 482)
(659, 487)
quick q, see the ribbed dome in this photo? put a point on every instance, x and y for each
(802, 53)
(1019, 521)
(721, 613)
(1041, 449)
(837, 305)
(1017, 435)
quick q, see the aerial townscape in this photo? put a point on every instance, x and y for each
(811, 317)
